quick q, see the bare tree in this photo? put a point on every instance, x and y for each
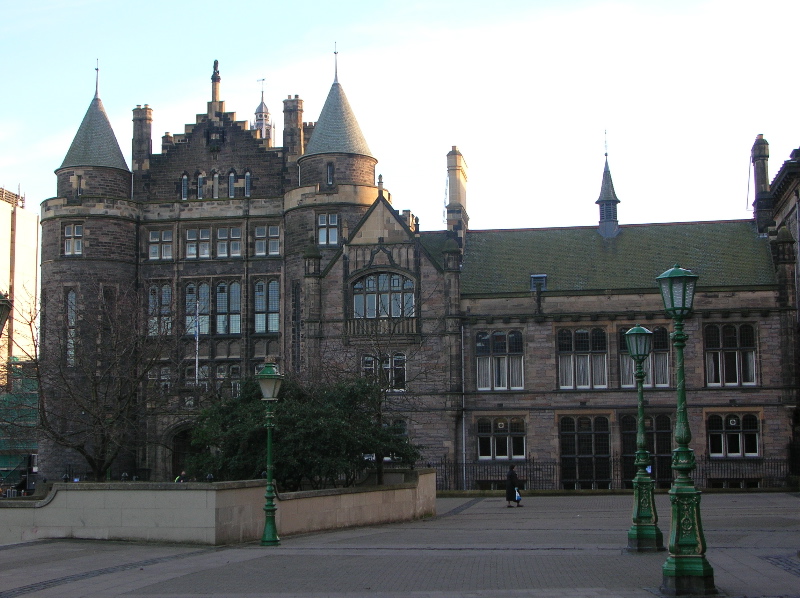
(91, 362)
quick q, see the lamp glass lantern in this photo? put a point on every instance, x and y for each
(270, 382)
(677, 290)
(640, 342)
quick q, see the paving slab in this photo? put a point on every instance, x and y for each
(553, 547)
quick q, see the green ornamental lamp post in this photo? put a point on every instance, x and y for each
(686, 572)
(644, 535)
(270, 382)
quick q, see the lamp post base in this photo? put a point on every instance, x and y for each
(700, 584)
(644, 535)
(645, 538)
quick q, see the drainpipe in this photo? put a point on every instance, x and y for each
(463, 419)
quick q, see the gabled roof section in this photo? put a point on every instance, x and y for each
(95, 143)
(725, 254)
(380, 224)
(337, 130)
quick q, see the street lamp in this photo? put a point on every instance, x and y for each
(686, 571)
(644, 535)
(270, 382)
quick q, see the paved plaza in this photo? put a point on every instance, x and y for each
(556, 546)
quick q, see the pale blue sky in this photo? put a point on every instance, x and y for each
(525, 89)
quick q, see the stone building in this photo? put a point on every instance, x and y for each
(497, 345)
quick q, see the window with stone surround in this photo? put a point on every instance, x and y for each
(197, 306)
(730, 354)
(198, 243)
(268, 240)
(582, 358)
(733, 435)
(656, 366)
(71, 321)
(501, 438)
(228, 308)
(328, 229)
(585, 452)
(658, 436)
(499, 360)
(185, 187)
(267, 306)
(159, 309)
(231, 184)
(383, 295)
(73, 239)
(215, 186)
(160, 245)
(248, 183)
(229, 241)
(388, 370)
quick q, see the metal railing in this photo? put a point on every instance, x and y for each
(607, 473)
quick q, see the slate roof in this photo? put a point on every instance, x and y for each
(95, 143)
(337, 129)
(722, 253)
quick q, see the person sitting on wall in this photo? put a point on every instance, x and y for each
(181, 478)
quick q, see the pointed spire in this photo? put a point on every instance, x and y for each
(95, 143)
(607, 193)
(335, 64)
(608, 205)
(337, 130)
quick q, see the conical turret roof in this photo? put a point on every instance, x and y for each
(95, 143)
(337, 129)
(607, 188)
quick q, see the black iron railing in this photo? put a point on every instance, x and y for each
(607, 473)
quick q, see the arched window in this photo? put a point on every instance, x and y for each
(200, 183)
(215, 186)
(72, 327)
(733, 435)
(229, 308)
(730, 353)
(267, 306)
(384, 295)
(247, 183)
(656, 366)
(185, 187)
(658, 435)
(389, 370)
(198, 303)
(501, 438)
(585, 452)
(499, 358)
(582, 356)
(159, 310)
(231, 184)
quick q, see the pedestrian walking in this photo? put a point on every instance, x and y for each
(512, 487)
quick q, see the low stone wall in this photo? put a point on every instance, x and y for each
(214, 514)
